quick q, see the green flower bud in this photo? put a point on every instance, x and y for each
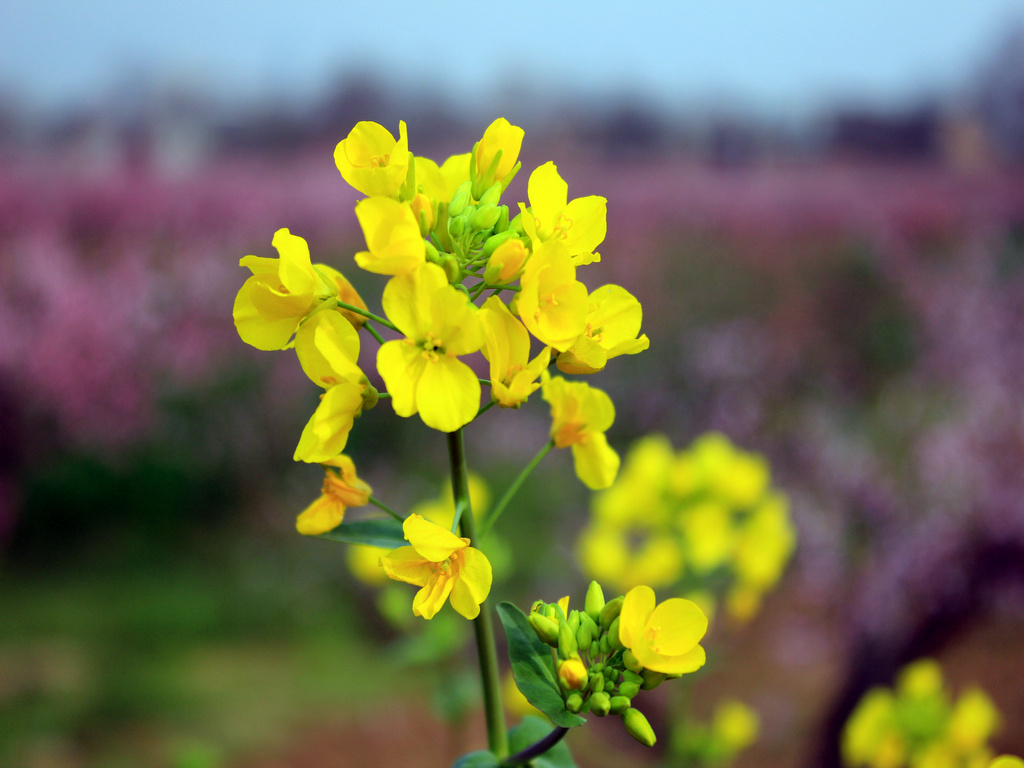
(370, 396)
(596, 682)
(595, 648)
(572, 675)
(485, 217)
(594, 603)
(651, 679)
(573, 620)
(584, 637)
(451, 268)
(460, 200)
(603, 644)
(600, 703)
(619, 705)
(492, 195)
(629, 690)
(638, 727)
(567, 647)
(456, 226)
(613, 635)
(595, 628)
(632, 677)
(630, 661)
(502, 224)
(610, 612)
(546, 629)
(432, 253)
(551, 611)
(574, 703)
(538, 606)
(495, 240)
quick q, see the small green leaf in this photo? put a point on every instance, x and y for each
(386, 533)
(532, 667)
(481, 759)
(529, 732)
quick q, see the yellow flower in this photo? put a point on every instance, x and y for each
(344, 291)
(735, 725)
(664, 638)
(610, 554)
(364, 563)
(443, 565)
(871, 736)
(392, 235)
(422, 371)
(709, 534)
(1007, 761)
(580, 415)
(612, 323)
(279, 293)
(507, 347)
(502, 137)
(765, 543)
(580, 224)
(372, 161)
(552, 303)
(973, 720)
(328, 347)
(342, 489)
(506, 261)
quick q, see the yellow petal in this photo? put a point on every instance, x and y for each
(392, 236)
(636, 609)
(345, 291)
(500, 135)
(372, 161)
(548, 194)
(473, 583)
(408, 299)
(507, 342)
(432, 541)
(585, 220)
(690, 661)
(255, 329)
(448, 394)
(595, 461)
(401, 365)
(429, 600)
(455, 171)
(430, 180)
(584, 356)
(296, 270)
(326, 432)
(328, 347)
(454, 322)
(679, 625)
(406, 564)
(324, 514)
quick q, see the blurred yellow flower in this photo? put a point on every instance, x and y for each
(422, 371)
(507, 348)
(612, 324)
(443, 565)
(393, 237)
(280, 292)
(364, 563)
(341, 489)
(735, 725)
(580, 415)
(372, 161)
(666, 637)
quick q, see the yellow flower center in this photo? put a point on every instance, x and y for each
(432, 347)
(562, 228)
(379, 161)
(595, 333)
(571, 433)
(651, 636)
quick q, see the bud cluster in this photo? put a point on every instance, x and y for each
(596, 673)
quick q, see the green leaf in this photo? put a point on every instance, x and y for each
(481, 759)
(529, 732)
(532, 667)
(386, 533)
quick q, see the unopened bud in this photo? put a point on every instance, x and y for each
(610, 612)
(584, 637)
(600, 703)
(432, 253)
(502, 224)
(567, 647)
(596, 682)
(370, 396)
(629, 690)
(572, 675)
(460, 200)
(595, 648)
(423, 209)
(574, 703)
(573, 620)
(456, 226)
(546, 629)
(631, 662)
(485, 217)
(603, 645)
(451, 268)
(632, 677)
(638, 727)
(492, 195)
(594, 602)
(619, 705)
(613, 636)
(652, 679)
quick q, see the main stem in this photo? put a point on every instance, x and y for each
(483, 625)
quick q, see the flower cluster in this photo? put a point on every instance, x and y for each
(704, 518)
(610, 651)
(918, 725)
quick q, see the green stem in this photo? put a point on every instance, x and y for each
(484, 409)
(483, 625)
(367, 314)
(373, 332)
(496, 512)
(381, 505)
(383, 395)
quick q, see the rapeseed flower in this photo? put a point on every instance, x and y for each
(341, 489)
(507, 348)
(580, 415)
(612, 324)
(422, 371)
(663, 638)
(581, 224)
(443, 565)
(272, 302)
(496, 156)
(552, 303)
(372, 161)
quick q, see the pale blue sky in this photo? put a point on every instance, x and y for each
(775, 56)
